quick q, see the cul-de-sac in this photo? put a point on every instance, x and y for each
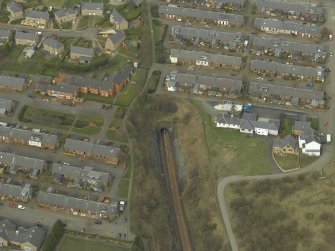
(171, 125)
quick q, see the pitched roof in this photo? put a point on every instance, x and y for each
(288, 26)
(59, 87)
(117, 37)
(4, 33)
(287, 68)
(65, 12)
(21, 192)
(92, 6)
(282, 90)
(227, 119)
(201, 14)
(288, 140)
(14, 82)
(117, 17)
(247, 118)
(30, 36)
(204, 56)
(53, 43)
(209, 34)
(37, 14)
(86, 52)
(302, 125)
(310, 135)
(15, 7)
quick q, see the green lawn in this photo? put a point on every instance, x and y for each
(287, 162)
(77, 244)
(97, 98)
(153, 81)
(231, 152)
(115, 132)
(54, 3)
(88, 130)
(131, 13)
(306, 160)
(70, 3)
(286, 126)
(131, 90)
(123, 188)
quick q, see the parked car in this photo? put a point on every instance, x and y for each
(12, 205)
(21, 207)
(99, 222)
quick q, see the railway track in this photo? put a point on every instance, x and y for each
(172, 184)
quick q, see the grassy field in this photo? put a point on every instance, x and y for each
(306, 160)
(153, 81)
(132, 89)
(288, 214)
(123, 188)
(287, 162)
(115, 132)
(97, 98)
(78, 244)
(286, 126)
(131, 13)
(54, 3)
(232, 152)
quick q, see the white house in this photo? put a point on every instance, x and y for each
(227, 121)
(309, 143)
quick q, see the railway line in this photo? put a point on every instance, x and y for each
(169, 165)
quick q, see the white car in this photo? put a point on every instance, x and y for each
(21, 207)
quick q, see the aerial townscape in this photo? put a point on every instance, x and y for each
(172, 125)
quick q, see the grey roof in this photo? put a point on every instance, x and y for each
(91, 148)
(4, 33)
(65, 12)
(21, 192)
(302, 125)
(27, 135)
(310, 135)
(37, 14)
(295, 8)
(77, 203)
(6, 104)
(227, 119)
(13, 82)
(291, 26)
(259, 65)
(117, 37)
(288, 140)
(117, 17)
(66, 170)
(15, 162)
(31, 36)
(52, 42)
(245, 122)
(86, 52)
(207, 34)
(10, 232)
(201, 14)
(121, 75)
(262, 43)
(204, 56)
(58, 88)
(92, 6)
(82, 82)
(210, 82)
(241, 2)
(288, 91)
(15, 7)
(271, 124)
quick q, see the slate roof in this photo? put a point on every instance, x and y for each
(204, 56)
(86, 52)
(293, 26)
(310, 135)
(30, 36)
(13, 82)
(241, 2)
(65, 12)
(58, 88)
(227, 119)
(53, 43)
(288, 91)
(302, 125)
(117, 37)
(6, 104)
(15, 7)
(286, 7)
(117, 17)
(210, 81)
(4, 33)
(271, 124)
(77, 203)
(91, 148)
(247, 118)
(15, 162)
(287, 68)
(288, 140)
(92, 6)
(279, 44)
(37, 14)
(207, 34)
(201, 14)
(21, 192)
(10, 232)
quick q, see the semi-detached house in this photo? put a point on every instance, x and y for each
(92, 9)
(200, 15)
(277, 69)
(36, 18)
(275, 26)
(204, 59)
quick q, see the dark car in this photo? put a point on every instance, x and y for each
(38, 224)
(103, 106)
(98, 222)
(30, 95)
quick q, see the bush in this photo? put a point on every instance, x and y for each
(20, 116)
(81, 124)
(54, 236)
